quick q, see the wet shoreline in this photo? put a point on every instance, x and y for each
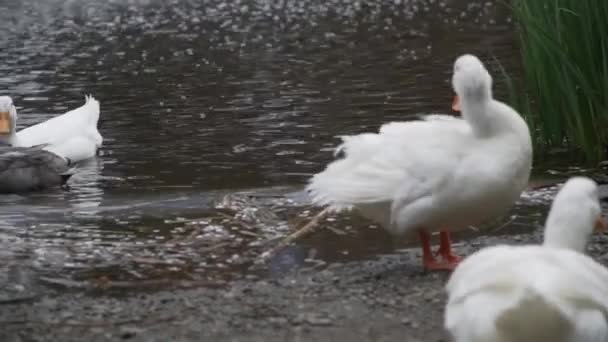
(389, 298)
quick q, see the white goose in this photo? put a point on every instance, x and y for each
(552, 292)
(438, 174)
(75, 131)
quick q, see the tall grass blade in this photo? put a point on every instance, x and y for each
(564, 49)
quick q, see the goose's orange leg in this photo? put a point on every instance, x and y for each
(445, 250)
(428, 259)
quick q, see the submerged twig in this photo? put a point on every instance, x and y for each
(308, 228)
(232, 218)
(502, 226)
(336, 231)
(217, 246)
(473, 228)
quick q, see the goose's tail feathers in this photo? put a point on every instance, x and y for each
(533, 318)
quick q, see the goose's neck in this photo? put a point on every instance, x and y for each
(9, 139)
(475, 110)
(562, 237)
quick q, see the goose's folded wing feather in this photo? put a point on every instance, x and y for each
(80, 121)
(405, 160)
(571, 276)
(75, 149)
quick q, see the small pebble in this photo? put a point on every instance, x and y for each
(129, 332)
(278, 320)
(318, 321)
(429, 296)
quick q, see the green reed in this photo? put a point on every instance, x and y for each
(564, 89)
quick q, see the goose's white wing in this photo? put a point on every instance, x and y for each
(512, 265)
(81, 121)
(404, 161)
(74, 149)
(547, 293)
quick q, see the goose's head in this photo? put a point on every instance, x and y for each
(471, 81)
(8, 116)
(574, 215)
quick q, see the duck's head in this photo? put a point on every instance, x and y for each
(470, 80)
(574, 215)
(8, 116)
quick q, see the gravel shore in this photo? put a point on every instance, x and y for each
(389, 298)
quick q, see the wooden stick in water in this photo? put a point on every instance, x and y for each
(307, 229)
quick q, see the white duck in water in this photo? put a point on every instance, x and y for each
(79, 125)
(439, 174)
(545, 293)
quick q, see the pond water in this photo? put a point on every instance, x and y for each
(214, 114)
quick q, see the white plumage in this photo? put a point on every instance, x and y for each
(437, 174)
(551, 293)
(81, 121)
(73, 135)
(77, 148)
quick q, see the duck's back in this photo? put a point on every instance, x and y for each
(81, 121)
(30, 169)
(376, 165)
(426, 174)
(530, 293)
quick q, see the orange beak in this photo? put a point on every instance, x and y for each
(5, 123)
(456, 104)
(600, 225)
